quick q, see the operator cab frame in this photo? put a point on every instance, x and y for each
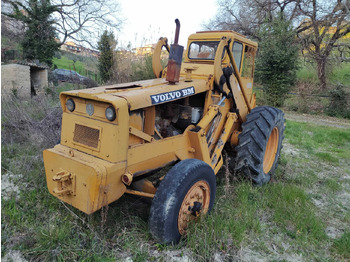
(201, 48)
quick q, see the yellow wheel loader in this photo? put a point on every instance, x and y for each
(115, 138)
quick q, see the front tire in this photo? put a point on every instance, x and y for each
(186, 192)
(260, 144)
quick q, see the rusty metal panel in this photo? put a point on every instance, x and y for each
(175, 58)
(174, 63)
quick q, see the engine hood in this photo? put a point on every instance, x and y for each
(143, 94)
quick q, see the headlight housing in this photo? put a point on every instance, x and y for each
(70, 105)
(90, 109)
(110, 113)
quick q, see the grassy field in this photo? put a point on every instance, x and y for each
(337, 74)
(86, 66)
(302, 215)
(66, 63)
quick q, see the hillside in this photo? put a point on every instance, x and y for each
(84, 65)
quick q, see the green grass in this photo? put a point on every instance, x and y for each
(333, 185)
(341, 246)
(326, 143)
(307, 72)
(66, 63)
(233, 216)
(338, 73)
(84, 65)
(341, 74)
(287, 207)
(294, 212)
(279, 220)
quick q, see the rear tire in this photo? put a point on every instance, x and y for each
(260, 144)
(187, 191)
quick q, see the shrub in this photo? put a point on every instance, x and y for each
(277, 61)
(338, 105)
(142, 69)
(106, 45)
(36, 121)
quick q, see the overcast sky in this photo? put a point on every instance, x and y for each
(148, 20)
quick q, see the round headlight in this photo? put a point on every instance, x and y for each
(70, 105)
(90, 109)
(110, 113)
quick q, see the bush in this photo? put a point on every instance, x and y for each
(89, 83)
(36, 121)
(142, 69)
(277, 61)
(338, 105)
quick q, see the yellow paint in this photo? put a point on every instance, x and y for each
(85, 170)
(156, 63)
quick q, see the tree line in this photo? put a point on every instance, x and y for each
(282, 28)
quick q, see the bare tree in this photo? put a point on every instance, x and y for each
(79, 20)
(84, 20)
(320, 25)
(325, 24)
(247, 16)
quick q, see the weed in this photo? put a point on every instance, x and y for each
(142, 69)
(327, 157)
(332, 185)
(15, 92)
(293, 210)
(342, 245)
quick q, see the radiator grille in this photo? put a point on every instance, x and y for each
(86, 135)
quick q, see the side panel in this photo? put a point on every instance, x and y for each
(146, 157)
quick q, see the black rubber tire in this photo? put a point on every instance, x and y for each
(253, 140)
(163, 220)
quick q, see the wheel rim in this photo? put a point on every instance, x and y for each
(195, 203)
(271, 150)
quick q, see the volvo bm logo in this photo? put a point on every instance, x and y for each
(173, 95)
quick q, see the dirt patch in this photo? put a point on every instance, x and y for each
(276, 251)
(8, 185)
(13, 255)
(318, 120)
(334, 232)
(288, 149)
(172, 255)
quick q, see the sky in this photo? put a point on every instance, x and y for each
(148, 20)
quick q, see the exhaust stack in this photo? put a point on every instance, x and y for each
(175, 58)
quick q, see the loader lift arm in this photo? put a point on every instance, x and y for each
(198, 136)
(156, 63)
(219, 71)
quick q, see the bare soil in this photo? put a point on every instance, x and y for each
(317, 119)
